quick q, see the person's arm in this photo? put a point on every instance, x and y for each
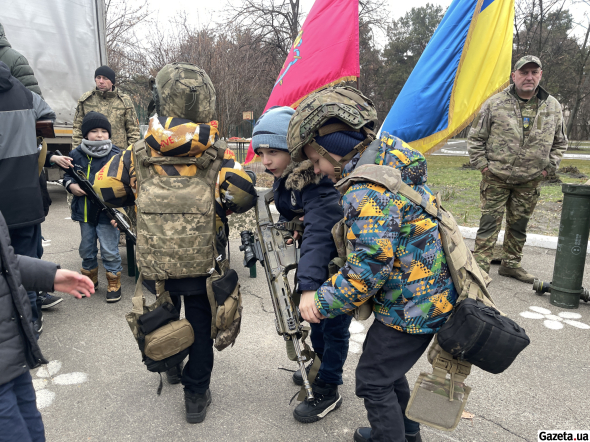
(42, 109)
(374, 240)
(77, 125)
(559, 143)
(115, 183)
(478, 137)
(131, 126)
(322, 212)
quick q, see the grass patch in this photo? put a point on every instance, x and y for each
(459, 189)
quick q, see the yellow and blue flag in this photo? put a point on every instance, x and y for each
(466, 61)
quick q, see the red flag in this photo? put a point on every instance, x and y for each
(325, 52)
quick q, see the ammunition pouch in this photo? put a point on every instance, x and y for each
(225, 298)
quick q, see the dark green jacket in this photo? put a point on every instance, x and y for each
(18, 64)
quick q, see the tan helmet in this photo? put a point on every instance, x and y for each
(183, 90)
(355, 111)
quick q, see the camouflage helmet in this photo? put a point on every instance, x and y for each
(345, 103)
(183, 90)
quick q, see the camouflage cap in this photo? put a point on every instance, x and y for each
(344, 103)
(184, 90)
(527, 59)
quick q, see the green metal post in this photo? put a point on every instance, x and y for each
(570, 258)
(130, 257)
(253, 271)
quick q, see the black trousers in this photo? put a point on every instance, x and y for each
(381, 381)
(196, 375)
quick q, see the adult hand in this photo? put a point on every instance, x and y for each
(114, 224)
(61, 161)
(76, 190)
(544, 173)
(308, 309)
(485, 169)
(73, 283)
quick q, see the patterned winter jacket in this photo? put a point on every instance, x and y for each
(116, 183)
(397, 253)
(496, 139)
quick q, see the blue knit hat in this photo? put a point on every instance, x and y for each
(271, 129)
(340, 143)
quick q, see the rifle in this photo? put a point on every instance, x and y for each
(113, 214)
(278, 259)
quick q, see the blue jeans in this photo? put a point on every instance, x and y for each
(26, 241)
(108, 237)
(19, 418)
(330, 342)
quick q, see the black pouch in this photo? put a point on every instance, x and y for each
(155, 319)
(224, 286)
(479, 334)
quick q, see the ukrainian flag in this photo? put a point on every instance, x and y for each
(466, 61)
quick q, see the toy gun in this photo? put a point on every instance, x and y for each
(277, 258)
(113, 214)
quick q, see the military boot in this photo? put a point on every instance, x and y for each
(516, 273)
(298, 378)
(93, 275)
(114, 288)
(174, 375)
(196, 406)
(325, 399)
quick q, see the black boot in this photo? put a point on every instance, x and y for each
(297, 378)
(326, 399)
(363, 434)
(174, 375)
(196, 406)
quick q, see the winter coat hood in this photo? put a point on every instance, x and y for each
(5, 83)
(177, 137)
(395, 153)
(3, 39)
(299, 175)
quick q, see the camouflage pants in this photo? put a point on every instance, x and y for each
(519, 201)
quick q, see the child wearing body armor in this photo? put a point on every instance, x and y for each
(394, 256)
(299, 194)
(186, 228)
(95, 150)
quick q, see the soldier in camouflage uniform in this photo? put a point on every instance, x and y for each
(112, 103)
(516, 140)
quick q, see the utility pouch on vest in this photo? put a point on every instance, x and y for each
(224, 293)
(168, 341)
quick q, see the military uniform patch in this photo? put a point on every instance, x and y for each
(526, 121)
(293, 199)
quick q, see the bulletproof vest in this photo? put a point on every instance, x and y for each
(176, 215)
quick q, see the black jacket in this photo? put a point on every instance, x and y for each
(20, 200)
(19, 350)
(300, 192)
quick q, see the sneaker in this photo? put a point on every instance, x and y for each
(517, 273)
(38, 326)
(297, 378)
(326, 399)
(174, 375)
(414, 437)
(48, 301)
(196, 406)
(362, 434)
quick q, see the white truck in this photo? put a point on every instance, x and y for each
(64, 42)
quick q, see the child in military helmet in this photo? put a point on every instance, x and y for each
(95, 150)
(299, 193)
(395, 256)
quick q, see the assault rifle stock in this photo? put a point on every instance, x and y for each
(113, 214)
(278, 259)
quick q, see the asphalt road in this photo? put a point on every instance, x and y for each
(98, 390)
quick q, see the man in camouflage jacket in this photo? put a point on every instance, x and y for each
(516, 140)
(112, 103)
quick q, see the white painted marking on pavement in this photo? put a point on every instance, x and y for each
(577, 324)
(40, 384)
(540, 310)
(356, 327)
(553, 325)
(354, 347)
(358, 337)
(569, 315)
(554, 318)
(44, 398)
(531, 315)
(70, 378)
(49, 370)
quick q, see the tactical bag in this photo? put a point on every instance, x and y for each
(436, 400)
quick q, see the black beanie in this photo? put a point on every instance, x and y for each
(105, 71)
(93, 120)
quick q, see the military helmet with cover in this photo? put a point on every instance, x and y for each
(183, 90)
(355, 112)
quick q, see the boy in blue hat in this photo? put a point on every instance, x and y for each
(299, 193)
